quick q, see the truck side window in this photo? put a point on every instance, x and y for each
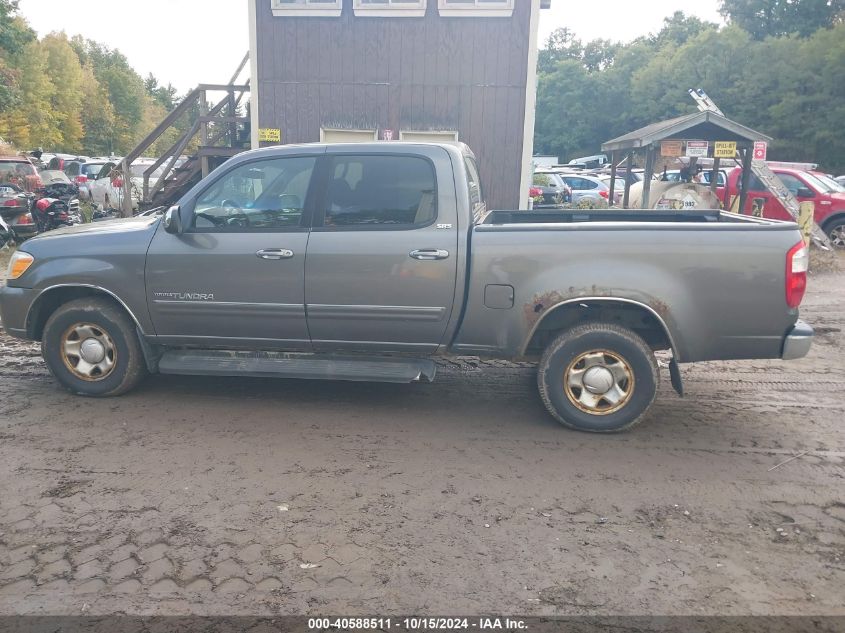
(262, 195)
(396, 191)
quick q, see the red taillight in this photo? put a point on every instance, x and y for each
(535, 191)
(80, 179)
(26, 218)
(12, 203)
(604, 194)
(797, 264)
(117, 183)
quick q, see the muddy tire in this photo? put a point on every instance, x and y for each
(91, 347)
(598, 377)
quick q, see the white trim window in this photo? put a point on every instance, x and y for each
(307, 8)
(341, 135)
(429, 136)
(476, 8)
(390, 8)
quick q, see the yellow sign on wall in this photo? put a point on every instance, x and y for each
(724, 149)
(672, 148)
(269, 135)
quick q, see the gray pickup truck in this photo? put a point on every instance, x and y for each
(367, 262)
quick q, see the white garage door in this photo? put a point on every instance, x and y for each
(347, 136)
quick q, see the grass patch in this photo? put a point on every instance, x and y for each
(86, 210)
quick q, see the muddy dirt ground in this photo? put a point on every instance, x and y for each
(222, 496)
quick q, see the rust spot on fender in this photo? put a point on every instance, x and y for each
(543, 302)
(660, 307)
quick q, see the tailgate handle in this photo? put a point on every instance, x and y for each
(429, 254)
(275, 253)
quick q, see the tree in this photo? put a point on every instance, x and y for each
(32, 121)
(560, 45)
(124, 86)
(98, 116)
(679, 28)
(14, 31)
(65, 73)
(773, 18)
(15, 34)
(164, 96)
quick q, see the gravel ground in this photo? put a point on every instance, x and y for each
(224, 496)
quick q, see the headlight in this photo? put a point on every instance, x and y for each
(19, 264)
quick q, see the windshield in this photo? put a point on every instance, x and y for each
(830, 183)
(21, 174)
(92, 169)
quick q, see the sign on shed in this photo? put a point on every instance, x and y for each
(724, 149)
(672, 148)
(697, 149)
(269, 135)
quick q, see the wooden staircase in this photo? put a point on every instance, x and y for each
(221, 134)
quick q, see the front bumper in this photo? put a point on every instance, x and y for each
(797, 342)
(14, 308)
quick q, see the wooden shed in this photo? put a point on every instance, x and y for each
(424, 70)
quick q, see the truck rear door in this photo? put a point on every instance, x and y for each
(381, 267)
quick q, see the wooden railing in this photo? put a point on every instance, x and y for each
(217, 127)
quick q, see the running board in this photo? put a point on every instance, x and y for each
(286, 365)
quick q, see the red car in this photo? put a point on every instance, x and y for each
(825, 192)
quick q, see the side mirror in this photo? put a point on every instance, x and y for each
(804, 192)
(173, 221)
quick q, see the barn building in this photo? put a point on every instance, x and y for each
(414, 70)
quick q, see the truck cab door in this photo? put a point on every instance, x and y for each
(234, 276)
(383, 254)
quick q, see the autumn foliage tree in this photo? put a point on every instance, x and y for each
(72, 94)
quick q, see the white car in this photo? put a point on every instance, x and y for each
(107, 189)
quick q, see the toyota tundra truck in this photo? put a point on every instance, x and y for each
(369, 262)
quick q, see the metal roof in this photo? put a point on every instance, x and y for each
(703, 126)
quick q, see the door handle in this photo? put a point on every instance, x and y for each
(429, 254)
(275, 253)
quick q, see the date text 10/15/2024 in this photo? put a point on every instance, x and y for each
(417, 624)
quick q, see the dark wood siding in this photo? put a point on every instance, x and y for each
(466, 74)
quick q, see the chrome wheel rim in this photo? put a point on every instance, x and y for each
(837, 236)
(88, 352)
(599, 382)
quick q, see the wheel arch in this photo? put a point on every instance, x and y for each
(837, 216)
(635, 315)
(54, 297)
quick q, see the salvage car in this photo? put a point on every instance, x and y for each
(107, 189)
(18, 182)
(368, 262)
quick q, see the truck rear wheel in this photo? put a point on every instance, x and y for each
(598, 377)
(92, 348)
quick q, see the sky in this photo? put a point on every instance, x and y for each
(218, 28)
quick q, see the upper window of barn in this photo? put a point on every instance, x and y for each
(390, 8)
(324, 8)
(484, 8)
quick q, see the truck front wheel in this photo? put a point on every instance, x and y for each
(92, 348)
(598, 377)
